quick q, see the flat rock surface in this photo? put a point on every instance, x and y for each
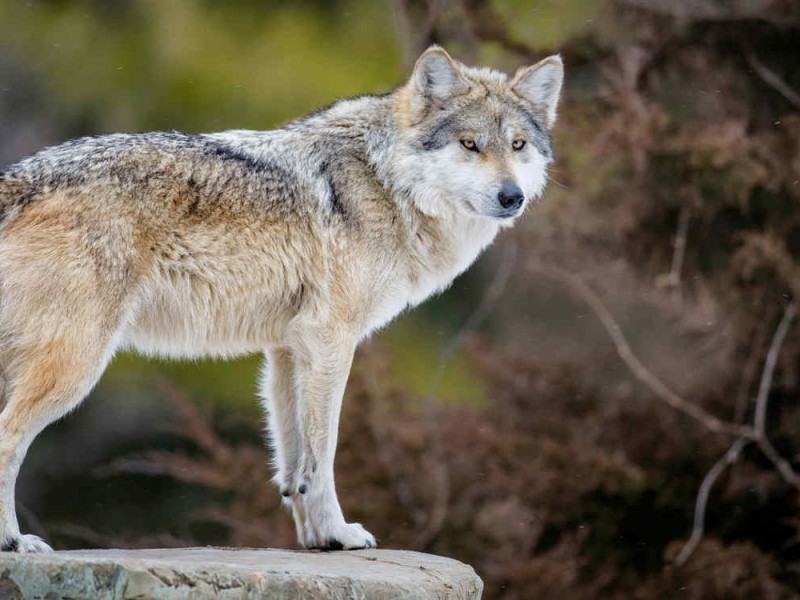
(232, 573)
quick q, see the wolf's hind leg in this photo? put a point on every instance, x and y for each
(51, 381)
(67, 278)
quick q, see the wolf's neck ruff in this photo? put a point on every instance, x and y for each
(296, 242)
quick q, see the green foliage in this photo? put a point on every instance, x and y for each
(548, 24)
(229, 384)
(199, 65)
(416, 353)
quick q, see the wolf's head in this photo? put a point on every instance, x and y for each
(474, 139)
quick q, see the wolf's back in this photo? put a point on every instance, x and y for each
(197, 170)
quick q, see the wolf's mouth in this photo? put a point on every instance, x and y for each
(497, 214)
(507, 214)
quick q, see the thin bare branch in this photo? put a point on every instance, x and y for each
(749, 373)
(755, 434)
(759, 436)
(672, 280)
(769, 368)
(641, 372)
(781, 465)
(772, 79)
(729, 458)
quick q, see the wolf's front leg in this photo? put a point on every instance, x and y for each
(323, 358)
(279, 392)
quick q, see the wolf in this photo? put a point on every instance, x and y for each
(296, 243)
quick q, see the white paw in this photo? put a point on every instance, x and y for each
(26, 544)
(346, 536)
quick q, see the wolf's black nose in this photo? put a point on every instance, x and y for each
(510, 196)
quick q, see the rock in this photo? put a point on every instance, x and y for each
(227, 573)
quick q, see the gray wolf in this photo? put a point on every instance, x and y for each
(297, 243)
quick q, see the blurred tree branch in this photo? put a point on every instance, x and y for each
(747, 434)
(672, 280)
(760, 418)
(727, 460)
(772, 79)
(759, 437)
(639, 370)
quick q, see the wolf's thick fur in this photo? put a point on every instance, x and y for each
(296, 242)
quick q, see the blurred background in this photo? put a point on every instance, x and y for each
(554, 417)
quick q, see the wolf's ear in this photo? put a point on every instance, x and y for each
(541, 86)
(436, 79)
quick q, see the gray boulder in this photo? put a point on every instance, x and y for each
(227, 573)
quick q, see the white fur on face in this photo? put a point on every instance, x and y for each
(449, 179)
(462, 184)
(531, 174)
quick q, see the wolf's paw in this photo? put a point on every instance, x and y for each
(25, 544)
(347, 536)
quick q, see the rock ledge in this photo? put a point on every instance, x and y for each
(227, 573)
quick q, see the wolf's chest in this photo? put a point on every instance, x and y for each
(430, 268)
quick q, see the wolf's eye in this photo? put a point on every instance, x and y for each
(470, 145)
(518, 144)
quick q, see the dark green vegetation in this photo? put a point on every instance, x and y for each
(534, 454)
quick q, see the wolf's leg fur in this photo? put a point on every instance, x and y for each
(54, 379)
(60, 316)
(280, 400)
(323, 359)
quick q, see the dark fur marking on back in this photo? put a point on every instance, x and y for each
(225, 153)
(277, 178)
(11, 545)
(336, 201)
(196, 196)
